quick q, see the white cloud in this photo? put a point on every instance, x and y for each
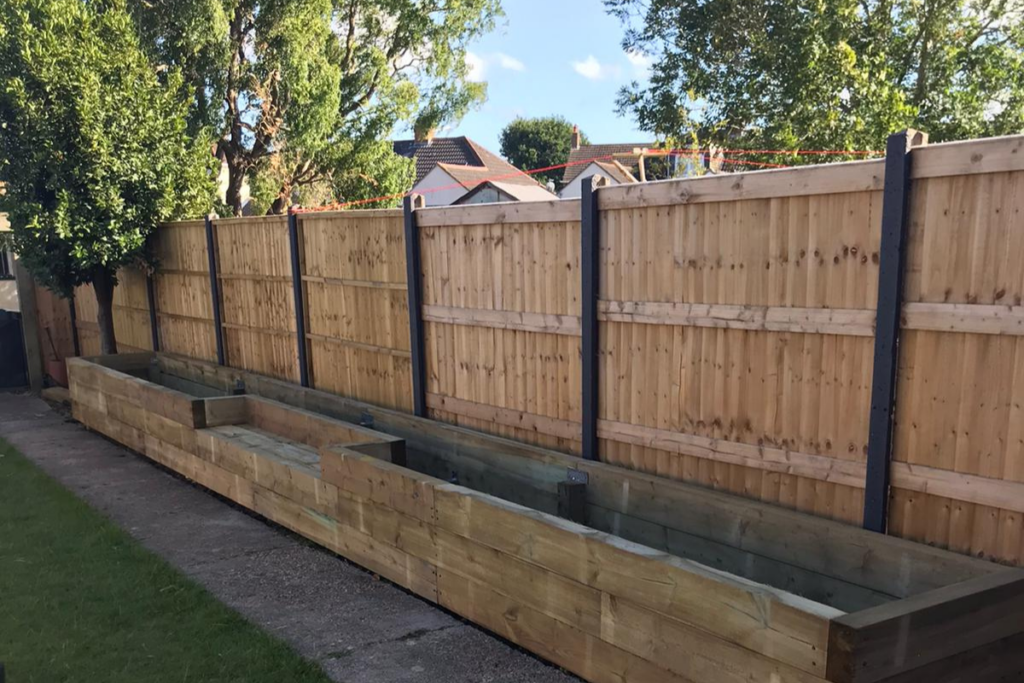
(641, 63)
(479, 64)
(476, 67)
(510, 63)
(594, 70)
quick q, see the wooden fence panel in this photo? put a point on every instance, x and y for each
(257, 300)
(501, 294)
(85, 321)
(736, 328)
(130, 310)
(357, 309)
(55, 334)
(736, 337)
(961, 376)
(182, 291)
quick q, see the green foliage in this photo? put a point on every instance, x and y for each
(788, 74)
(94, 150)
(539, 143)
(303, 91)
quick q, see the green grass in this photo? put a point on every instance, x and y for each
(80, 600)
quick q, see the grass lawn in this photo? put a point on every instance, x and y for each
(80, 600)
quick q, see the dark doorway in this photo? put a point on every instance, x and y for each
(13, 367)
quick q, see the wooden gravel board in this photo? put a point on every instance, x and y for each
(581, 653)
(822, 588)
(876, 644)
(677, 616)
(383, 483)
(884, 565)
(774, 623)
(999, 662)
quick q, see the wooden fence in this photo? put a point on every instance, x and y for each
(735, 341)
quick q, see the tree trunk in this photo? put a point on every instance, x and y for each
(103, 285)
(278, 207)
(236, 178)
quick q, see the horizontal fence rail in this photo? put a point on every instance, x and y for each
(721, 330)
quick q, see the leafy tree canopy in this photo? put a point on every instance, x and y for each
(539, 143)
(841, 74)
(305, 93)
(94, 150)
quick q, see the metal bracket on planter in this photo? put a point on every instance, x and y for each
(577, 476)
(239, 389)
(366, 420)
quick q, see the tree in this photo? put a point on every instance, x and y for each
(305, 93)
(788, 74)
(539, 143)
(94, 149)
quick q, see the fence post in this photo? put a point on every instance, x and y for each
(892, 264)
(76, 343)
(211, 253)
(300, 307)
(151, 295)
(590, 268)
(414, 282)
(31, 338)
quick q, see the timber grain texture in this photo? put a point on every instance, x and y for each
(736, 327)
(606, 608)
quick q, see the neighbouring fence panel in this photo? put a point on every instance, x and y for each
(736, 334)
(55, 335)
(501, 305)
(958, 471)
(257, 299)
(130, 310)
(357, 310)
(182, 290)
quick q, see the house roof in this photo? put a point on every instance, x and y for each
(465, 160)
(517, 191)
(617, 171)
(471, 176)
(578, 157)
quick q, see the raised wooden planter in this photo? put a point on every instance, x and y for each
(665, 582)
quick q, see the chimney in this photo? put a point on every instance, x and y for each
(424, 134)
(575, 144)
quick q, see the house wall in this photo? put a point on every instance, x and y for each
(9, 295)
(439, 178)
(575, 187)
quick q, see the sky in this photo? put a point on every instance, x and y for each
(552, 57)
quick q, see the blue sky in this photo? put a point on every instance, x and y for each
(552, 57)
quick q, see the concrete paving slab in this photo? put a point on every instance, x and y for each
(359, 628)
